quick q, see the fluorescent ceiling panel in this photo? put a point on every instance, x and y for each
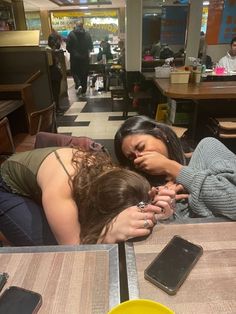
(81, 2)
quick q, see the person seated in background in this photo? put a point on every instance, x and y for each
(180, 53)
(166, 52)
(105, 50)
(152, 148)
(229, 61)
(147, 55)
(155, 50)
(64, 195)
(206, 60)
(121, 51)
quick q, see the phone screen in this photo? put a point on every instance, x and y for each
(16, 300)
(172, 265)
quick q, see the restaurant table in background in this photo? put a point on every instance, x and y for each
(71, 279)
(214, 98)
(211, 285)
(9, 106)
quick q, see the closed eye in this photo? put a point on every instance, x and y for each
(140, 147)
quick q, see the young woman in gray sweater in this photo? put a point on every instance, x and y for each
(209, 179)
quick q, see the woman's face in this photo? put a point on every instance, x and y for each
(133, 145)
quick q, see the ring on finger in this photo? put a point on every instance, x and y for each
(146, 224)
(141, 205)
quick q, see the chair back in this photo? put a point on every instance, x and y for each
(7, 146)
(42, 120)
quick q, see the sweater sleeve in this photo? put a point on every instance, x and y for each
(210, 178)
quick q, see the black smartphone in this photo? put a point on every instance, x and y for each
(17, 300)
(172, 265)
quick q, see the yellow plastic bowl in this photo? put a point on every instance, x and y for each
(140, 306)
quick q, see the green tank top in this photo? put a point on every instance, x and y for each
(19, 172)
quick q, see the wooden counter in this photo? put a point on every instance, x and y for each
(210, 286)
(203, 90)
(71, 279)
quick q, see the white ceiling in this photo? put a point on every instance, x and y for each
(37, 5)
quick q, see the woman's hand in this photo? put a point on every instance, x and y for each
(155, 163)
(132, 222)
(178, 188)
(165, 199)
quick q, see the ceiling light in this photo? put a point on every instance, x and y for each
(206, 2)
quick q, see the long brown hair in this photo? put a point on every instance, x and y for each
(105, 197)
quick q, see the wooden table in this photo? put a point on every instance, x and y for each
(9, 106)
(71, 279)
(211, 285)
(25, 92)
(225, 90)
(203, 90)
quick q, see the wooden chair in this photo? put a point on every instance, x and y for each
(7, 146)
(41, 120)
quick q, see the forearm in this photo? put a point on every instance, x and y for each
(172, 169)
(211, 193)
(210, 179)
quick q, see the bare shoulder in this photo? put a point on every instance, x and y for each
(54, 171)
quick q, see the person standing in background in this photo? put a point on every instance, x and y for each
(54, 40)
(229, 61)
(79, 44)
(202, 50)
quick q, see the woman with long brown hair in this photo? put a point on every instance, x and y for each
(68, 196)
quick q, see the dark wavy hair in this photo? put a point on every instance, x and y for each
(145, 125)
(232, 41)
(102, 199)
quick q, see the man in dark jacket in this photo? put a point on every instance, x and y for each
(79, 44)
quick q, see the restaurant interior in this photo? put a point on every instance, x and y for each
(165, 65)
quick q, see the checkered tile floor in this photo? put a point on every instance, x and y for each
(92, 116)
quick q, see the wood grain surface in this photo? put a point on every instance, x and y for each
(203, 90)
(69, 282)
(211, 285)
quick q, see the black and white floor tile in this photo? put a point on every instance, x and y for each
(95, 116)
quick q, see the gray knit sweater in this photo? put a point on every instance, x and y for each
(210, 179)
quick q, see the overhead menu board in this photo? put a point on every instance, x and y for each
(173, 24)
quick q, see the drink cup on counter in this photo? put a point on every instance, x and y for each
(141, 306)
(197, 76)
(219, 70)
